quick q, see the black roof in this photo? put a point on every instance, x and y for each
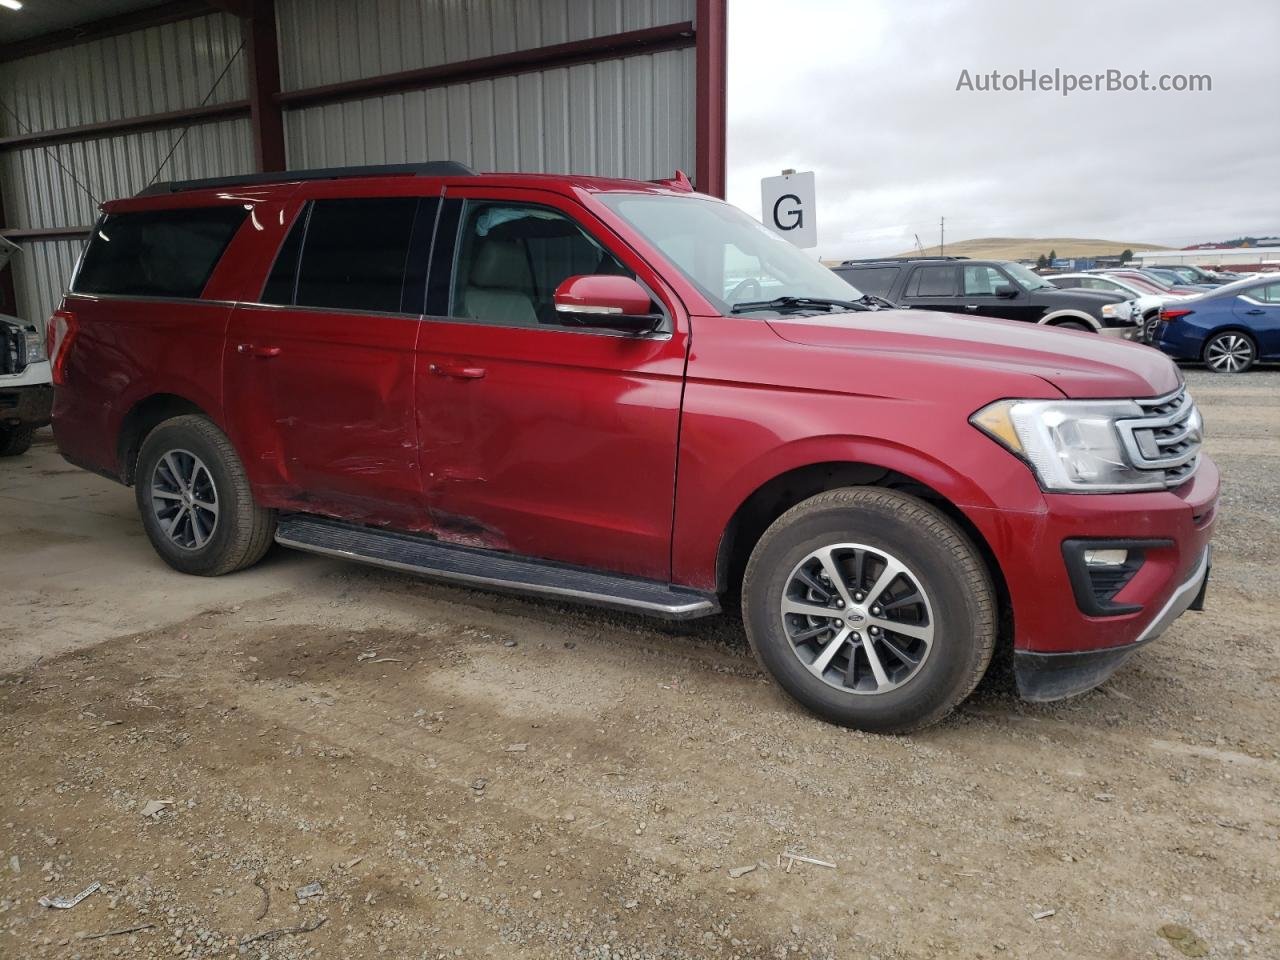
(432, 168)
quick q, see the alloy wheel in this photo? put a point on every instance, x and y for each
(184, 499)
(1229, 353)
(857, 618)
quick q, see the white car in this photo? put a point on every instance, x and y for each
(26, 388)
(1145, 305)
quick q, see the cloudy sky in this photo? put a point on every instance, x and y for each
(863, 92)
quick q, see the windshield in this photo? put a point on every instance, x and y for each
(1026, 276)
(728, 256)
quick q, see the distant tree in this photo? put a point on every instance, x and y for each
(1042, 262)
(1053, 255)
(1127, 255)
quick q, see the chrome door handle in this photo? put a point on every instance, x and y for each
(253, 350)
(459, 371)
(971, 306)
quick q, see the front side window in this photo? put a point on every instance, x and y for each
(159, 253)
(727, 255)
(982, 281)
(512, 257)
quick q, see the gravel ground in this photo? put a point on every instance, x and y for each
(478, 776)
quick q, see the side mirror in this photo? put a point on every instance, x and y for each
(606, 302)
(1006, 291)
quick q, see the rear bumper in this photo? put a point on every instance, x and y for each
(26, 406)
(1053, 676)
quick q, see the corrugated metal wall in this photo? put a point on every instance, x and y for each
(629, 118)
(169, 67)
(632, 117)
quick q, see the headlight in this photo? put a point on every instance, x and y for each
(1072, 445)
(35, 347)
(1109, 310)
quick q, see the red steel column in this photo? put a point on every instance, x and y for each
(264, 83)
(711, 51)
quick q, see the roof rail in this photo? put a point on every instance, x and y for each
(432, 168)
(910, 259)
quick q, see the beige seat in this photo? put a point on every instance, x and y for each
(500, 287)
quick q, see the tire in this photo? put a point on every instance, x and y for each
(15, 441)
(958, 609)
(1079, 325)
(1231, 351)
(189, 453)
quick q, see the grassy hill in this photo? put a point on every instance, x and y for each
(1028, 248)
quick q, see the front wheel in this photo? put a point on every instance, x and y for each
(195, 501)
(870, 608)
(1230, 352)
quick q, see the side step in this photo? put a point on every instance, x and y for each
(490, 568)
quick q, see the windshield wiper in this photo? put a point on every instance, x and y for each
(797, 303)
(871, 300)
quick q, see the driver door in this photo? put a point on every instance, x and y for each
(538, 437)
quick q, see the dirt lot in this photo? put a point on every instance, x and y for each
(478, 776)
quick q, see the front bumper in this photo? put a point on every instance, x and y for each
(1048, 619)
(26, 406)
(1132, 332)
(1053, 676)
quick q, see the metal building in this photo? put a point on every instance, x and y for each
(99, 98)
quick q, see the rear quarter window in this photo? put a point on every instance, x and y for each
(158, 253)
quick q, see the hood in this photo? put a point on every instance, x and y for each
(1081, 365)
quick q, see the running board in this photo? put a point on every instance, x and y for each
(490, 568)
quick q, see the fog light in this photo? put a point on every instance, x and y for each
(1105, 558)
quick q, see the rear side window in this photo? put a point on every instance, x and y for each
(932, 282)
(876, 281)
(160, 253)
(355, 253)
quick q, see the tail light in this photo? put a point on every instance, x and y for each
(1173, 313)
(61, 332)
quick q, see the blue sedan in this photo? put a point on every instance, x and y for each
(1230, 329)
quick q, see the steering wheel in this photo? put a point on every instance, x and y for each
(752, 284)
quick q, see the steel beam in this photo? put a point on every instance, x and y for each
(711, 81)
(650, 40)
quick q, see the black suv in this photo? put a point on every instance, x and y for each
(991, 288)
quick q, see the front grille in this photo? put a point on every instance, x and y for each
(1166, 439)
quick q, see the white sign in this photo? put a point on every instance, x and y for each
(789, 208)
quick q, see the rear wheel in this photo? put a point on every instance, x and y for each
(870, 608)
(15, 440)
(1230, 352)
(195, 501)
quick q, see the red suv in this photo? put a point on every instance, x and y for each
(629, 394)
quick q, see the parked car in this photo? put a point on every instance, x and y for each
(1160, 285)
(1190, 273)
(1229, 330)
(1176, 279)
(991, 288)
(490, 379)
(26, 393)
(1146, 303)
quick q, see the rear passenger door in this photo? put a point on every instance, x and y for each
(320, 372)
(538, 437)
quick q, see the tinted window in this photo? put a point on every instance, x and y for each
(161, 253)
(511, 258)
(282, 282)
(354, 253)
(877, 281)
(932, 282)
